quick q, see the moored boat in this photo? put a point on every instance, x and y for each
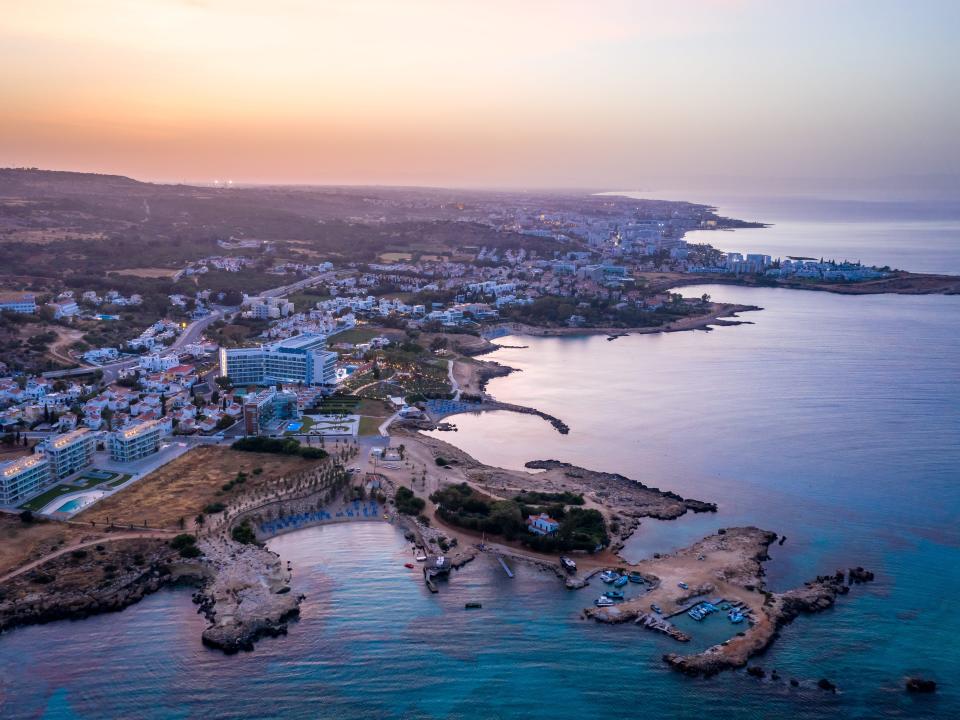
(620, 581)
(614, 594)
(603, 601)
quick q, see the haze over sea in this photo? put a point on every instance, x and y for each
(833, 420)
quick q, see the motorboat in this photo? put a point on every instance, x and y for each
(620, 581)
(603, 601)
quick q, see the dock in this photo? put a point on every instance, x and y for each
(506, 568)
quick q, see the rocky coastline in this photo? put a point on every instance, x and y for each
(243, 589)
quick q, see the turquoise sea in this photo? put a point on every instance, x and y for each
(834, 420)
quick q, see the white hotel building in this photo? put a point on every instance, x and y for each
(299, 359)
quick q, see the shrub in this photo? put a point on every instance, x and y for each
(26, 516)
(190, 551)
(243, 533)
(183, 540)
(442, 462)
(408, 503)
(214, 507)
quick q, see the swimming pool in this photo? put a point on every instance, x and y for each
(72, 505)
(294, 426)
(75, 503)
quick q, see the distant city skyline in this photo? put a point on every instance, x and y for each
(614, 95)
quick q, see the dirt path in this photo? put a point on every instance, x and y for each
(58, 348)
(87, 543)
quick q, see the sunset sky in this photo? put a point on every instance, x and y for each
(511, 93)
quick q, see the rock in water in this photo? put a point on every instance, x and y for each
(825, 684)
(921, 685)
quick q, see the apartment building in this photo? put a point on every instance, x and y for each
(23, 477)
(139, 440)
(70, 452)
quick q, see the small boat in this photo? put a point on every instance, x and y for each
(635, 577)
(408, 565)
(421, 558)
(614, 594)
(695, 614)
(620, 581)
(472, 606)
(567, 564)
(603, 601)
(656, 609)
(736, 618)
(608, 576)
(683, 586)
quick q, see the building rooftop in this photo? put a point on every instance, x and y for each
(61, 441)
(139, 429)
(16, 296)
(13, 467)
(306, 341)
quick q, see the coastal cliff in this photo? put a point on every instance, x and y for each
(244, 592)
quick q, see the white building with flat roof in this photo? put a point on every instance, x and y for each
(139, 440)
(23, 477)
(70, 452)
(21, 302)
(300, 359)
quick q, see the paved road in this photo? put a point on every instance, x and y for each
(89, 543)
(454, 385)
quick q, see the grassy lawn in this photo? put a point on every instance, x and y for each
(120, 480)
(304, 301)
(370, 425)
(355, 335)
(40, 501)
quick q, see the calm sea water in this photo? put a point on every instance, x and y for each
(907, 235)
(834, 420)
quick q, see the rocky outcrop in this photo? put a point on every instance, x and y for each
(778, 609)
(921, 685)
(646, 501)
(560, 426)
(247, 597)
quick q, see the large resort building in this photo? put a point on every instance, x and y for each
(302, 359)
(23, 477)
(70, 452)
(138, 441)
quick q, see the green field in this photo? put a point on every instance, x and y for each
(355, 335)
(370, 425)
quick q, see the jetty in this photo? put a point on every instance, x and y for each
(506, 568)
